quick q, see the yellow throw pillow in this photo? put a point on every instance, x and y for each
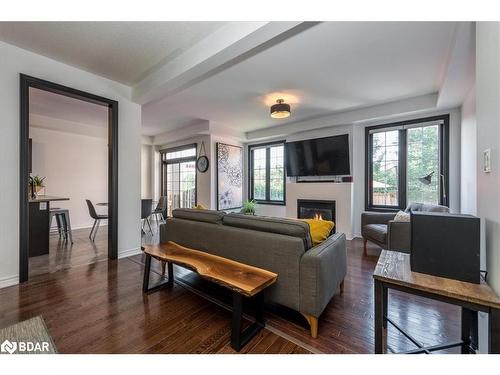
(319, 229)
(200, 207)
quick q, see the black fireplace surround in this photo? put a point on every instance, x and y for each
(312, 208)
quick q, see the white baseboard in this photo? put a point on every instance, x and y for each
(9, 281)
(129, 252)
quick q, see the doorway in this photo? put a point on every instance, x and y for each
(27, 83)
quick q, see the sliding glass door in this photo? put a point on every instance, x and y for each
(179, 177)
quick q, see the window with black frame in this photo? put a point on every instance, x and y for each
(178, 180)
(267, 172)
(407, 162)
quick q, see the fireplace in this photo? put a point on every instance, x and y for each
(320, 209)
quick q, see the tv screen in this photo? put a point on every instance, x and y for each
(318, 157)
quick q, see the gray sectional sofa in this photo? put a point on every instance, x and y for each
(308, 277)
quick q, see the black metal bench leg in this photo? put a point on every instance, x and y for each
(236, 321)
(170, 273)
(147, 271)
(259, 308)
(238, 338)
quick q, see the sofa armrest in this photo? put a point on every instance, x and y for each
(322, 269)
(399, 236)
(376, 218)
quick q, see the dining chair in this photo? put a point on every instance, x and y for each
(161, 209)
(97, 219)
(146, 211)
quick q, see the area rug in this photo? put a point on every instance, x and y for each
(27, 337)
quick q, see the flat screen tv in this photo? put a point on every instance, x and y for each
(318, 157)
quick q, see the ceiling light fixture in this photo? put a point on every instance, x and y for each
(280, 109)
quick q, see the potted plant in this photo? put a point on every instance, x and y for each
(249, 207)
(37, 182)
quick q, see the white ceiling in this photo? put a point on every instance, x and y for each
(121, 51)
(319, 69)
(60, 107)
(328, 68)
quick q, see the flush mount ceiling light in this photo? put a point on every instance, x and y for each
(280, 109)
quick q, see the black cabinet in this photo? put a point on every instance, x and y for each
(38, 228)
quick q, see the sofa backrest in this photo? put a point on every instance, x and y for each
(287, 227)
(426, 207)
(206, 216)
(275, 252)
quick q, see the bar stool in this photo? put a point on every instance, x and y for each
(53, 213)
(63, 222)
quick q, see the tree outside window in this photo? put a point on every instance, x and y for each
(267, 173)
(399, 156)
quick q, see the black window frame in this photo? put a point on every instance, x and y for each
(164, 162)
(444, 151)
(267, 146)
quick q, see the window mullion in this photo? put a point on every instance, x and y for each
(268, 174)
(402, 161)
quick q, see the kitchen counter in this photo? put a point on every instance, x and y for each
(39, 226)
(47, 198)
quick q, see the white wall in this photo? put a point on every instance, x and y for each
(147, 169)
(74, 166)
(488, 137)
(13, 61)
(468, 157)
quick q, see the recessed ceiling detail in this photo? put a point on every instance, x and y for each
(329, 68)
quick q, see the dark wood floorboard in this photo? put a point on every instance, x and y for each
(100, 308)
(346, 326)
(64, 255)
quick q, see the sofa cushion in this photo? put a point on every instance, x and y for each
(402, 216)
(377, 232)
(207, 216)
(287, 227)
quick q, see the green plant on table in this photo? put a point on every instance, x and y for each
(37, 181)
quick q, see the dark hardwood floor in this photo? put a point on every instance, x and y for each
(63, 254)
(346, 325)
(100, 308)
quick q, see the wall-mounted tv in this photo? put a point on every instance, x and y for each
(318, 157)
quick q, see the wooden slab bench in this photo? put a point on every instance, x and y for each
(243, 280)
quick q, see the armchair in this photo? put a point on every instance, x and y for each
(374, 227)
(381, 229)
